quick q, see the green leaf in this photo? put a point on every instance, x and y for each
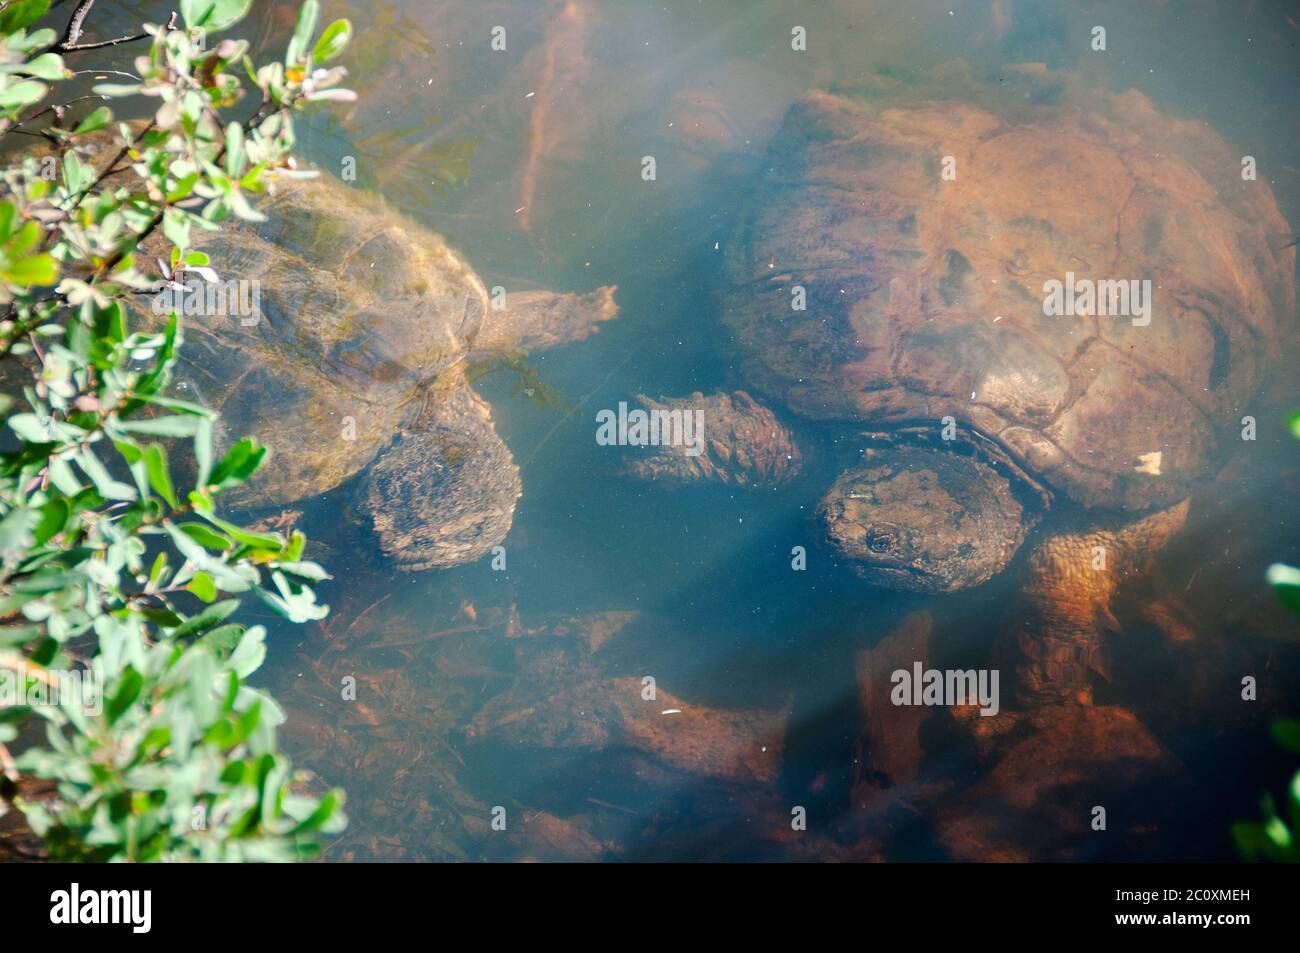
(95, 121)
(163, 617)
(329, 806)
(75, 174)
(223, 639)
(203, 587)
(16, 532)
(36, 271)
(63, 479)
(108, 487)
(196, 12)
(234, 149)
(250, 653)
(265, 542)
(294, 601)
(22, 14)
(332, 42)
(46, 66)
(1287, 733)
(180, 425)
(32, 428)
(239, 463)
(1285, 581)
(304, 570)
(130, 452)
(243, 209)
(206, 537)
(180, 406)
(203, 451)
(155, 462)
(214, 15)
(159, 568)
(54, 517)
(1293, 423)
(22, 93)
(206, 619)
(128, 690)
(26, 240)
(305, 29)
(293, 552)
(116, 90)
(176, 227)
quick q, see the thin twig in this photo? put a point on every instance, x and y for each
(73, 33)
(100, 44)
(105, 72)
(54, 108)
(69, 42)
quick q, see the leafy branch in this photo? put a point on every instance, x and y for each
(108, 569)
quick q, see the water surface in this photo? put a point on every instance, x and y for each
(529, 160)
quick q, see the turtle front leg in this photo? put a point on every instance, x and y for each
(1059, 623)
(723, 438)
(444, 492)
(532, 320)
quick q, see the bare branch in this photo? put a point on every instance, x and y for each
(100, 44)
(69, 42)
(73, 33)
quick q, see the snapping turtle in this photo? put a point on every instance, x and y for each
(355, 361)
(926, 325)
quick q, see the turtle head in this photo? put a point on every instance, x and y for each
(924, 518)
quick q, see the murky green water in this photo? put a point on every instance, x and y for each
(694, 587)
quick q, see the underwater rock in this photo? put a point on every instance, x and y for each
(543, 838)
(889, 749)
(603, 713)
(1037, 800)
(563, 699)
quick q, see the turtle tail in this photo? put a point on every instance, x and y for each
(1059, 626)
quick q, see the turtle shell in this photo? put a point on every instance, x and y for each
(925, 293)
(356, 309)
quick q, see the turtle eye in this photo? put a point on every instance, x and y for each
(881, 540)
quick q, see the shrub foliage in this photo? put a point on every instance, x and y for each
(110, 569)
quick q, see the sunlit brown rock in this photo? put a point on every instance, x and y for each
(1036, 799)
